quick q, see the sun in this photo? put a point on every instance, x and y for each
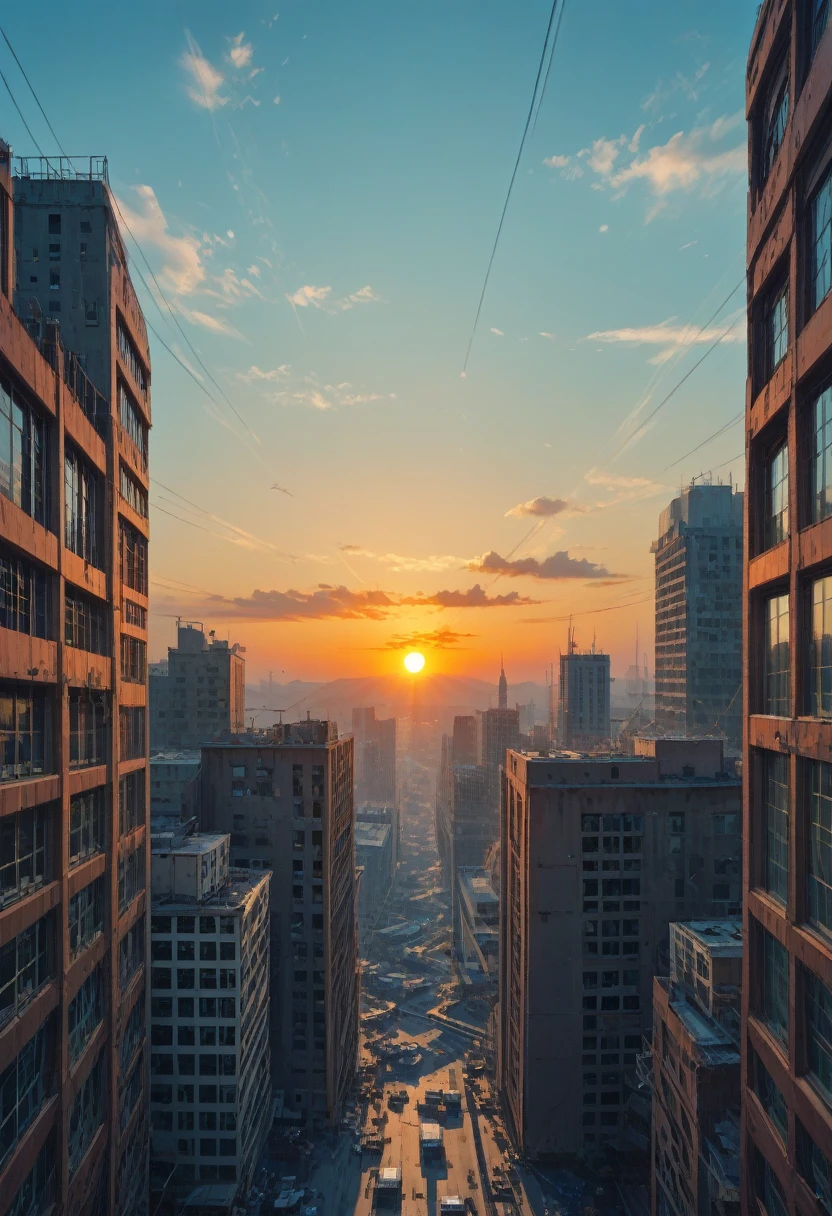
(414, 662)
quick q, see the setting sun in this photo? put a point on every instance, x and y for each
(414, 662)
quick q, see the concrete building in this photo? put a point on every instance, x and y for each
(464, 820)
(373, 856)
(73, 651)
(375, 757)
(476, 934)
(694, 1073)
(210, 1086)
(285, 796)
(497, 730)
(174, 786)
(597, 856)
(787, 976)
(584, 704)
(203, 695)
(699, 613)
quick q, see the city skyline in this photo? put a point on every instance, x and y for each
(324, 256)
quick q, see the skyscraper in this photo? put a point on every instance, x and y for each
(584, 705)
(787, 961)
(203, 695)
(502, 688)
(74, 422)
(699, 613)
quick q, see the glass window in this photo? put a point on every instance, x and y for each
(820, 218)
(131, 956)
(24, 597)
(86, 916)
(770, 1096)
(133, 659)
(87, 730)
(133, 493)
(776, 782)
(819, 11)
(777, 667)
(131, 876)
(819, 845)
(132, 421)
(84, 509)
(132, 732)
(813, 1166)
(24, 1086)
(24, 737)
(27, 962)
(85, 623)
(776, 330)
(818, 1005)
(86, 1010)
(131, 805)
(820, 650)
(777, 115)
(774, 984)
(86, 1114)
(23, 454)
(86, 825)
(777, 497)
(133, 558)
(821, 455)
(23, 852)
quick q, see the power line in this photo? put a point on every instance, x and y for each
(34, 94)
(510, 185)
(548, 67)
(20, 112)
(705, 442)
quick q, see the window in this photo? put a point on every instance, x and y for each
(819, 845)
(87, 732)
(821, 455)
(130, 357)
(133, 660)
(86, 825)
(134, 614)
(131, 957)
(132, 421)
(776, 117)
(55, 225)
(132, 732)
(819, 11)
(818, 1007)
(133, 558)
(777, 497)
(24, 1086)
(27, 962)
(725, 825)
(23, 732)
(130, 878)
(24, 597)
(776, 782)
(776, 330)
(86, 1011)
(133, 493)
(771, 1099)
(773, 1007)
(777, 667)
(86, 916)
(23, 454)
(820, 650)
(23, 852)
(131, 804)
(86, 1114)
(813, 1166)
(820, 221)
(36, 1193)
(84, 509)
(85, 623)
(54, 275)
(134, 1032)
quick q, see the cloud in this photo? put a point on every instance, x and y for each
(622, 489)
(398, 562)
(182, 270)
(255, 374)
(311, 392)
(544, 334)
(475, 597)
(240, 53)
(604, 228)
(557, 566)
(557, 162)
(498, 332)
(670, 336)
(321, 297)
(217, 325)
(438, 639)
(688, 86)
(206, 81)
(542, 506)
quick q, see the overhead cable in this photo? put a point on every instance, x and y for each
(34, 94)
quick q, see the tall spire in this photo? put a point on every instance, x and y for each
(502, 696)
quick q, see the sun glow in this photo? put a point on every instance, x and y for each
(414, 662)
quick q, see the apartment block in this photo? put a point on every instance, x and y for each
(285, 798)
(699, 555)
(476, 934)
(374, 857)
(74, 423)
(203, 695)
(375, 757)
(584, 704)
(464, 820)
(597, 856)
(497, 730)
(210, 1083)
(694, 1064)
(787, 980)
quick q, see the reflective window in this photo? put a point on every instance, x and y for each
(771, 1098)
(777, 667)
(818, 1012)
(777, 116)
(819, 11)
(84, 509)
(776, 335)
(86, 1010)
(774, 985)
(819, 845)
(820, 214)
(86, 916)
(27, 962)
(776, 784)
(86, 1114)
(86, 825)
(85, 623)
(777, 497)
(819, 681)
(23, 734)
(23, 852)
(813, 1166)
(24, 597)
(24, 1086)
(87, 731)
(23, 454)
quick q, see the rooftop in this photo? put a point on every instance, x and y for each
(203, 842)
(176, 757)
(721, 938)
(371, 835)
(234, 895)
(63, 168)
(713, 1040)
(478, 885)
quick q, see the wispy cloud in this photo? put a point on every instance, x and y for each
(205, 82)
(542, 506)
(240, 52)
(474, 597)
(670, 336)
(310, 296)
(182, 270)
(398, 562)
(437, 639)
(622, 489)
(309, 390)
(498, 332)
(557, 566)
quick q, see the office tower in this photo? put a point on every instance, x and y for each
(210, 1085)
(584, 705)
(465, 821)
(597, 856)
(375, 757)
(73, 620)
(497, 730)
(476, 932)
(174, 788)
(693, 1071)
(787, 976)
(203, 695)
(502, 688)
(699, 614)
(285, 796)
(374, 858)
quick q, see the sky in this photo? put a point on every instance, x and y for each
(317, 187)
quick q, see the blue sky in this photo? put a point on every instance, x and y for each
(317, 187)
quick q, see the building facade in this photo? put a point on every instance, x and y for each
(210, 1082)
(375, 757)
(787, 982)
(584, 704)
(285, 797)
(73, 649)
(203, 695)
(699, 613)
(497, 730)
(597, 856)
(476, 934)
(695, 1072)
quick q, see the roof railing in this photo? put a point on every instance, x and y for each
(63, 168)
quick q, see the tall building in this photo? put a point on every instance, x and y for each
(73, 656)
(476, 932)
(699, 614)
(375, 757)
(210, 1085)
(497, 730)
(465, 821)
(584, 704)
(787, 977)
(597, 856)
(285, 797)
(502, 688)
(694, 1072)
(203, 695)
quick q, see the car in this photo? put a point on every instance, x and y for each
(470, 1206)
